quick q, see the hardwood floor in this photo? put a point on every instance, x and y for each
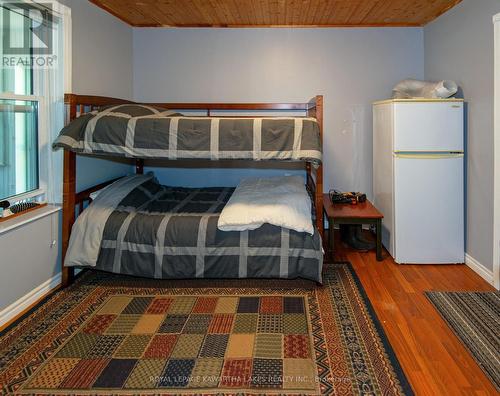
(433, 358)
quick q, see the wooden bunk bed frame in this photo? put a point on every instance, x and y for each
(76, 105)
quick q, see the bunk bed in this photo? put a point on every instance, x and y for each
(83, 114)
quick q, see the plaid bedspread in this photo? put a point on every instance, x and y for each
(165, 232)
(142, 131)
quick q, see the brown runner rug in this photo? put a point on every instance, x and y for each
(111, 334)
(475, 319)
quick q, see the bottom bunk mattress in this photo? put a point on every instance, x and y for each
(138, 227)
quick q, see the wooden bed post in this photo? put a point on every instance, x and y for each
(319, 171)
(69, 195)
(316, 110)
(69, 201)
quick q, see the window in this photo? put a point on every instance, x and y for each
(17, 78)
(18, 118)
(34, 48)
(18, 147)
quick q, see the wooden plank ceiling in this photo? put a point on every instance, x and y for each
(270, 13)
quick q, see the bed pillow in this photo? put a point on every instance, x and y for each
(282, 201)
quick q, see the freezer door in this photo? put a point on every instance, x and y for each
(429, 209)
(428, 126)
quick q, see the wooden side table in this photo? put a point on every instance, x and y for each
(362, 213)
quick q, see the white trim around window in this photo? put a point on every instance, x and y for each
(68, 55)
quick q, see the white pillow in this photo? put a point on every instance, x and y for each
(282, 201)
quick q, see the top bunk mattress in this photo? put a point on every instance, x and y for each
(142, 131)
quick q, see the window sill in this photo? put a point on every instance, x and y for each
(29, 217)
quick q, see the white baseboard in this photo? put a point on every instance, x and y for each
(479, 269)
(28, 299)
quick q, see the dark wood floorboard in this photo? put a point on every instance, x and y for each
(433, 358)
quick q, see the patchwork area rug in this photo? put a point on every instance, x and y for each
(109, 334)
(475, 319)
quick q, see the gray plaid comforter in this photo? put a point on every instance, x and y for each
(171, 232)
(141, 131)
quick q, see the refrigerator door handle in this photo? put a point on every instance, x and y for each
(429, 155)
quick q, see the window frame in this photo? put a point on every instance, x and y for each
(43, 142)
(50, 163)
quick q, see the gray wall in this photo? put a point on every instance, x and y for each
(101, 65)
(28, 258)
(459, 46)
(350, 67)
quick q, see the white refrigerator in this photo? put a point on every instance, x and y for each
(418, 178)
